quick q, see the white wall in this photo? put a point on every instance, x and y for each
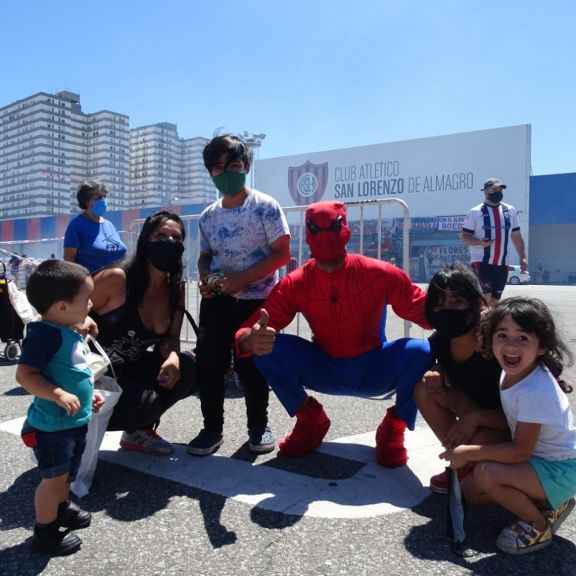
(435, 176)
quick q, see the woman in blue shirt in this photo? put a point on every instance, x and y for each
(90, 239)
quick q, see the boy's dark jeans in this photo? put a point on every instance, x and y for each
(220, 318)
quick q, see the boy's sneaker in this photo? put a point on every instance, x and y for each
(53, 541)
(261, 440)
(390, 451)
(147, 441)
(556, 517)
(312, 425)
(205, 443)
(439, 482)
(71, 516)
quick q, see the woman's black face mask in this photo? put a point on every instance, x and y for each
(453, 323)
(165, 255)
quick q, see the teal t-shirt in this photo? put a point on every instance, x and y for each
(59, 354)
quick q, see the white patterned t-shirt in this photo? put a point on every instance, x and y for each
(238, 238)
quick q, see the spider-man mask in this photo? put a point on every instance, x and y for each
(327, 232)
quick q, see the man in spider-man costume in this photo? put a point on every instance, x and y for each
(343, 297)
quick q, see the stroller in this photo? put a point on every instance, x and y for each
(11, 325)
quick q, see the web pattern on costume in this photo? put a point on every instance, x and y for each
(346, 309)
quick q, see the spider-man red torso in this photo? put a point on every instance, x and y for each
(345, 308)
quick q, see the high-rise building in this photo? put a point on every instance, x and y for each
(48, 146)
(155, 164)
(166, 169)
(197, 186)
(108, 155)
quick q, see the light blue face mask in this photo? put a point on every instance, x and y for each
(99, 207)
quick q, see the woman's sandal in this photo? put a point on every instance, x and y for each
(522, 537)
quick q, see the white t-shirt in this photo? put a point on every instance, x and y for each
(238, 238)
(538, 399)
(494, 223)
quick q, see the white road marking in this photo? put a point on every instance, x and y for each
(372, 491)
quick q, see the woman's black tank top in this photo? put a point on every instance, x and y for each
(123, 335)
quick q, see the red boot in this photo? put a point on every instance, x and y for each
(312, 424)
(390, 451)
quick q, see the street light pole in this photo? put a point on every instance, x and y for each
(253, 141)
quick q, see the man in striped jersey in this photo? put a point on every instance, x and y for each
(488, 229)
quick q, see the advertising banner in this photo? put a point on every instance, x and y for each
(442, 175)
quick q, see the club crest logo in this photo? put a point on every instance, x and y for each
(307, 183)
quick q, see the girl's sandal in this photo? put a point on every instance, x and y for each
(556, 517)
(522, 537)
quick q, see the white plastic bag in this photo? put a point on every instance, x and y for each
(99, 362)
(21, 305)
(111, 391)
(109, 388)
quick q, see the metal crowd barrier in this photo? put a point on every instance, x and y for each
(358, 214)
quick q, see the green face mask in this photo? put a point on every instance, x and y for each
(229, 183)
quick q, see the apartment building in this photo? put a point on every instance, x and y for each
(108, 155)
(155, 164)
(166, 169)
(196, 185)
(48, 145)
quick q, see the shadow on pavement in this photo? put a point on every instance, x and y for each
(17, 511)
(19, 560)
(17, 391)
(430, 541)
(126, 496)
(123, 494)
(17, 503)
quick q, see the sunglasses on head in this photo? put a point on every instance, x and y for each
(335, 226)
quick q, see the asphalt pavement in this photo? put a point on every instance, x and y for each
(332, 513)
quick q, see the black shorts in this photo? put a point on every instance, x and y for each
(493, 278)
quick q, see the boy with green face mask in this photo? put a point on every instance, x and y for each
(244, 240)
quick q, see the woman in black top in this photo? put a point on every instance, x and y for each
(138, 304)
(459, 397)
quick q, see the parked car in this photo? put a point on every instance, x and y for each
(516, 276)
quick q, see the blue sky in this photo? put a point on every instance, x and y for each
(310, 74)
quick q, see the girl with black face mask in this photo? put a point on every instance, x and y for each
(459, 397)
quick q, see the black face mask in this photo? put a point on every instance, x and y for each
(454, 323)
(165, 255)
(496, 197)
